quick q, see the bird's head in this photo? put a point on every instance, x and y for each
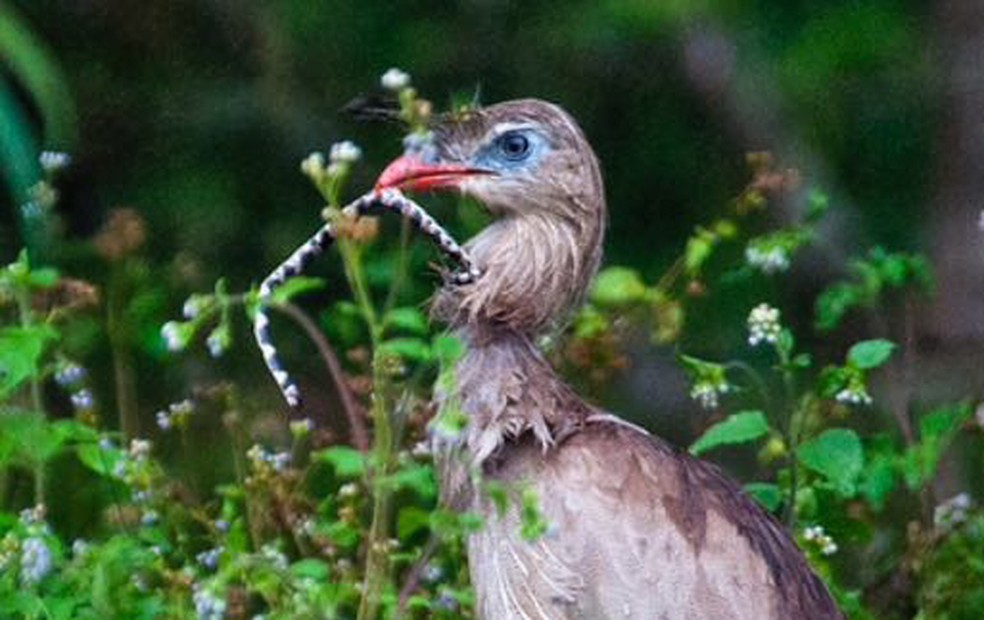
(514, 157)
(528, 162)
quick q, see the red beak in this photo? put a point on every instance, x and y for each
(411, 174)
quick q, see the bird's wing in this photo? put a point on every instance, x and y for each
(637, 530)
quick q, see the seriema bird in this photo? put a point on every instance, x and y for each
(638, 528)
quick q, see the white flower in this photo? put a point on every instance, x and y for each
(313, 166)
(210, 558)
(53, 161)
(707, 393)
(83, 400)
(192, 307)
(36, 560)
(395, 79)
(274, 556)
(215, 343)
(69, 375)
(345, 152)
(768, 261)
(79, 547)
(854, 394)
(824, 543)
(164, 420)
(173, 338)
(349, 489)
(150, 518)
(139, 449)
(763, 325)
(952, 512)
(207, 605)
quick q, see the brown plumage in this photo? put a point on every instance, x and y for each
(638, 529)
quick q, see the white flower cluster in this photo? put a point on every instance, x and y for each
(707, 393)
(53, 161)
(207, 605)
(139, 449)
(817, 536)
(395, 79)
(345, 152)
(71, 377)
(274, 556)
(36, 560)
(854, 394)
(763, 325)
(341, 156)
(175, 414)
(262, 460)
(767, 260)
(952, 512)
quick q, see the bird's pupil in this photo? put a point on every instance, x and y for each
(514, 145)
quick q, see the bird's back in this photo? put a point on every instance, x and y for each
(637, 530)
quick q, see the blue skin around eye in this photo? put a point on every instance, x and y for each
(491, 156)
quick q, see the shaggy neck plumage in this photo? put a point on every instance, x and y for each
(536, 268)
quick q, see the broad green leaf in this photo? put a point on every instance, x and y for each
(348, 462)
(34, 439)
(406, 320)
(99, 459)
(21, 349)
(837, 455)
(766, 494)
(740, 427)
(618, 287)
(870, 353)
(297, 285)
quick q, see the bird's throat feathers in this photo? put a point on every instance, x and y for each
(535, 267)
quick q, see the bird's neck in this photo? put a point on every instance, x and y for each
(506, 388)
(536, 267)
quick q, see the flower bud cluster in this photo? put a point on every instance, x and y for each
(824, 543)
(763, 325)
(176, 415)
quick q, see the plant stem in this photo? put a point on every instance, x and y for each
(125, 382)
(791, 436)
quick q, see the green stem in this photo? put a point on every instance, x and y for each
(125, 382)
(790, 436)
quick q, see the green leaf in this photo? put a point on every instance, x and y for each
(297, 285)
(741, 427)
(411, 520)
(617, 287)
(310, 568)
(348, 462)
(837, 455)
(100, 460)
(407, 320)
(21, 349)
(870, 354)
(410, 349)
(447, 349)
(416, 478)
(766, 494)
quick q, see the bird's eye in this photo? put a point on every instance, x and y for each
(514, 146)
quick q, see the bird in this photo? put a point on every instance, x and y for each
(636, 528)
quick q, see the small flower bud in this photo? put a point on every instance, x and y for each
(395, 79)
